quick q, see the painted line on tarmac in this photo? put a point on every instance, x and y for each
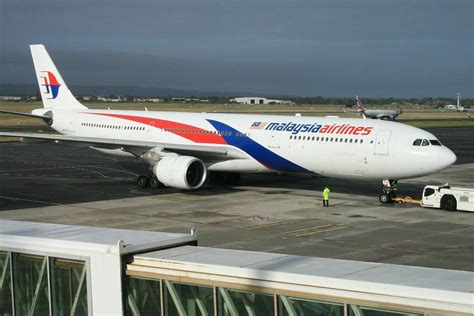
(27, 200)
(320, 231)
(307, 229)
(271, 225)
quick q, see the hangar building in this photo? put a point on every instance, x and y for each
(259, 100)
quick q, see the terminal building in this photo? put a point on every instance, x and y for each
(51, 269)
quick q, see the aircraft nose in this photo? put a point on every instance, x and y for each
(446, 157)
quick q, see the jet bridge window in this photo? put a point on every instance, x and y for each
(299, 306)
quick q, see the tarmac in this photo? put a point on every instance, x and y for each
(265, 212)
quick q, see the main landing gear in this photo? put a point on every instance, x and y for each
(144, 181)
(221, 178)
(389, 188)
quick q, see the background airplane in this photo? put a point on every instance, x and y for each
(376, 114)
(181, 148)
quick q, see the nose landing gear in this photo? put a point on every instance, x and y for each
(389, 189)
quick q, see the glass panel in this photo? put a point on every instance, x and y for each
(367, 311)
(187, 299)
(30, 281)
(69, 287)
(141, 296)
(5, 285)
(295, 306)
(234, 303)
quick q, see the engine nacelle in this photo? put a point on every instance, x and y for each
(181, 172)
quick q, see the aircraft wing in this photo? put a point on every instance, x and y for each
(46, 118)
(137, 148)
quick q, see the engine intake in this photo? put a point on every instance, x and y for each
(181, 172)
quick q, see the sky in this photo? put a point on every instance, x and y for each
(398, 48)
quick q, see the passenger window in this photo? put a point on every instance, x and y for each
(435, 142)
(425, 143)
(429, 191)
(417, 142)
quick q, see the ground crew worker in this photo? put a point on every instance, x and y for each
(326, 192)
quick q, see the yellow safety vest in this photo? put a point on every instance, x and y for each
(326, 194)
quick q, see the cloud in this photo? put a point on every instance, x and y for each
(379, 48)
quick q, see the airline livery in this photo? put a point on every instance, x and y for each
(182, 148)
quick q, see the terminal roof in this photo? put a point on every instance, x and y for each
(86, 237)
(312, 270)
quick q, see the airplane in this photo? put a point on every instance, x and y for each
(376, 114)
(183, 148)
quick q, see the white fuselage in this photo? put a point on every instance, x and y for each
(335, 147)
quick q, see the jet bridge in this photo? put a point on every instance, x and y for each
(50, 269)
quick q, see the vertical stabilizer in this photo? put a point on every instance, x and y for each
(360, 106)
(54, 91)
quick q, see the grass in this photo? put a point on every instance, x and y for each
(443, 123)
(418, 116)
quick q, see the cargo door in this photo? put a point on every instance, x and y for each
(382, 143)
(274, 141)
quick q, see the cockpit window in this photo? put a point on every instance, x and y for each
(425, 143)
(417, 142)
(435, 142)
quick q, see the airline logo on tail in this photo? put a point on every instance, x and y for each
(51, 83)
(360, 105)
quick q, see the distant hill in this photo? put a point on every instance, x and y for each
(31, 90)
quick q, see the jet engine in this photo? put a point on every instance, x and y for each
(181, 172)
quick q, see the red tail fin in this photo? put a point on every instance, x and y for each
(360, 106)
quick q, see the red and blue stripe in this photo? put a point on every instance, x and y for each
(226, 135)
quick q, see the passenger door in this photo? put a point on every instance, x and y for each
(150, 130)
(382, 143)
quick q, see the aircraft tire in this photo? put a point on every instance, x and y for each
(155, 183)
(142, 181)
